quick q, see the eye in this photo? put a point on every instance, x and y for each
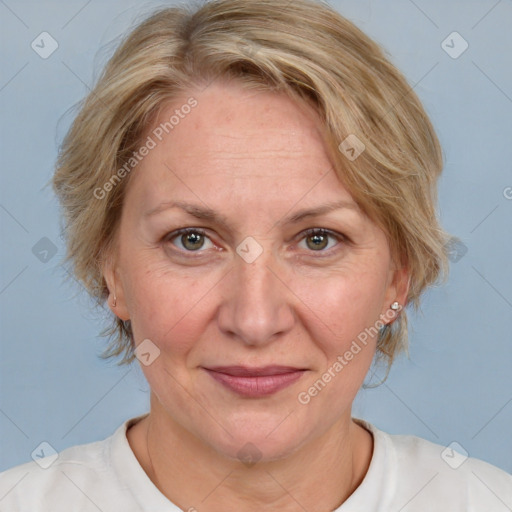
(317, 239)
(191, 239)
(195, 239)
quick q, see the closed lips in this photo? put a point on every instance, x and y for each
(243, 371)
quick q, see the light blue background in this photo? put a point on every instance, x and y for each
(457, 385)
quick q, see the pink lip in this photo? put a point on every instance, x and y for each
(255, 382)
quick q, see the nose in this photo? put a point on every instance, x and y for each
(258, 305)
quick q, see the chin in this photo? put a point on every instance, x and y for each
(254, 439)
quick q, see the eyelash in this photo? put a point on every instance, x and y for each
(308, 232)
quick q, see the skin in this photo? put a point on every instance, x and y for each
(254, 157)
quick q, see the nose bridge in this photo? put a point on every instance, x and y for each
(255, 277)
(257, 306)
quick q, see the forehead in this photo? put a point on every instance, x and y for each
(234, 120)
(253, 145)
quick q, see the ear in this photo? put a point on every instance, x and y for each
(397, 291)
(116, 290)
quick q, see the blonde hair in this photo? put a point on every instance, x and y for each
(303, 48)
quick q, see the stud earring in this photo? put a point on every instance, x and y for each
(395, 306)
(114, 302)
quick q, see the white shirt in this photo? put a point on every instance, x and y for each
(406, 474)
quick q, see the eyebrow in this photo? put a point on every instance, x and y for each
(205, 213)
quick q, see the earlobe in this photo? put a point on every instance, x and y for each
(402, 284)
(115, 299)
(397, 293)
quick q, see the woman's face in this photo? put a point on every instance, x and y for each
(251, 288)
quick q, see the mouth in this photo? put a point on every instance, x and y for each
(255, 382)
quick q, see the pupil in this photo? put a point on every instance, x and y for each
(320, 239)
(193, 238)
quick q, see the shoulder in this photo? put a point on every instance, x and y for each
(81, 475)
(426, 472)
(35, 484)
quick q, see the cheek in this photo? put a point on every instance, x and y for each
(343, 304)
(167, 308)
(347, 308)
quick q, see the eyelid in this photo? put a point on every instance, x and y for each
(340, 237)
(169, 237)
(314, 231)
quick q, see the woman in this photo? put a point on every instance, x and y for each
(252, 187)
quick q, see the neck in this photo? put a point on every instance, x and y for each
(318, 476)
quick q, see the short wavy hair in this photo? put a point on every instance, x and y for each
(303, 48)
